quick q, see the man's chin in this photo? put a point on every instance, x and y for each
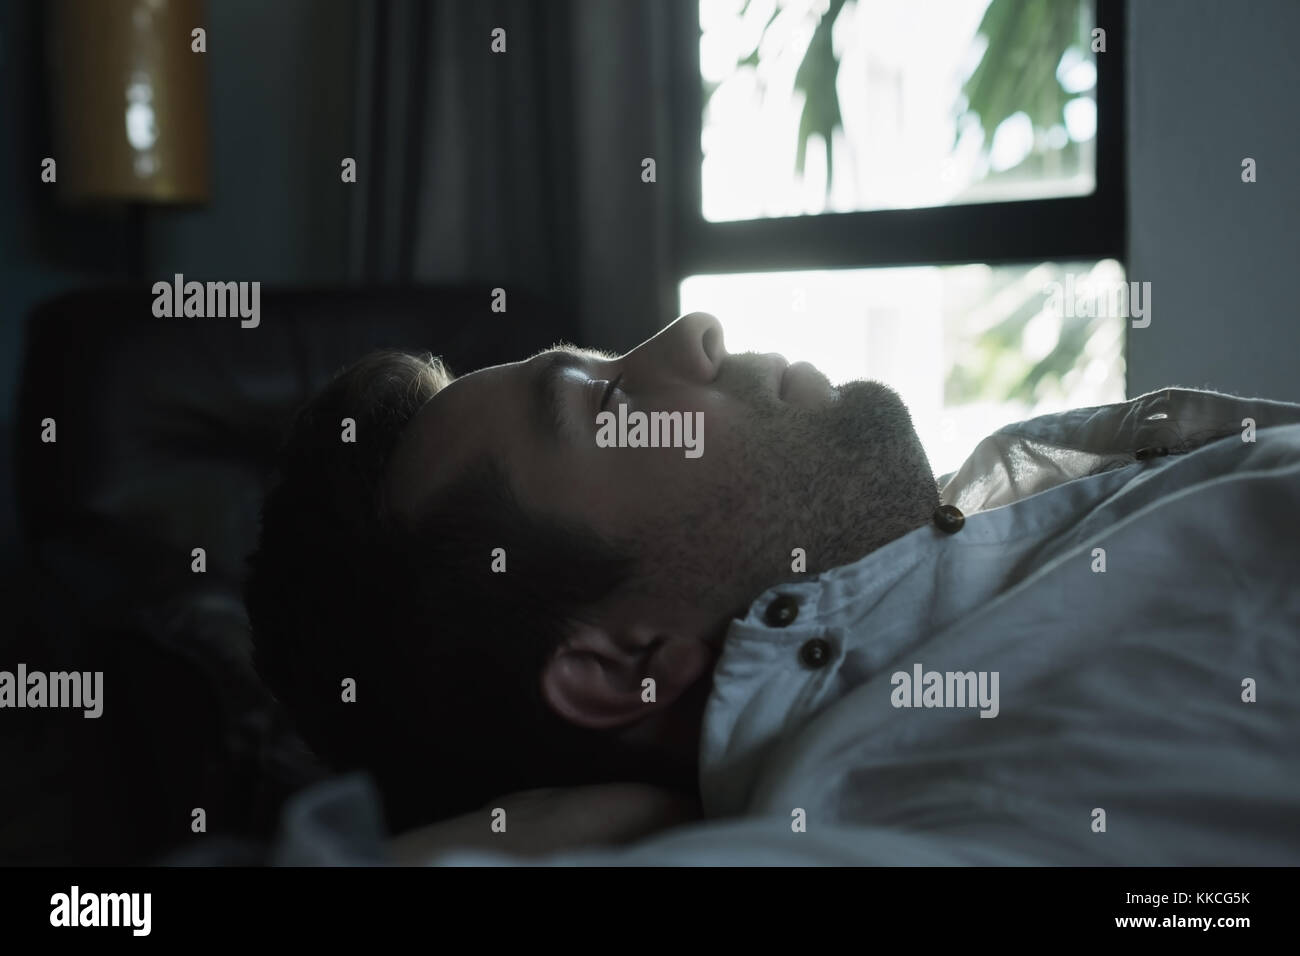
(870, 390)
(869, 402)
(870, 422)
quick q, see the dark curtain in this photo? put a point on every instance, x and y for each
(523, 168)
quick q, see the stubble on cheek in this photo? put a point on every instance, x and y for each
(836, 482)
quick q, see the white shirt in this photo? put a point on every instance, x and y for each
(1129, 610)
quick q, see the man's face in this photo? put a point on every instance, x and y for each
(785, 460)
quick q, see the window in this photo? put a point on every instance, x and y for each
(896, 190)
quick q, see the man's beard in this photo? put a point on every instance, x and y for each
(837, 481)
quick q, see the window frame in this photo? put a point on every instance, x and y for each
(1089, 227)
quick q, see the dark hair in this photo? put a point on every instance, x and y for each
(446, 654)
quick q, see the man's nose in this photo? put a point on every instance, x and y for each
(690, 347)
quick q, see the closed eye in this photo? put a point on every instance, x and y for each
(609, 390)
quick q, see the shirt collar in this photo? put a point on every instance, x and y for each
(1027, 457)
(759, 691)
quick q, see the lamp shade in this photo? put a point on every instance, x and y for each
(130, 100)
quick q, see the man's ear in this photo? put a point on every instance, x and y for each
(595, 678)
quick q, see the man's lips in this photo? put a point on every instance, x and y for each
(787, 378)
(804, 377)
(782, 366)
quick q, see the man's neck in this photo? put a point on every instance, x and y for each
(675, 731)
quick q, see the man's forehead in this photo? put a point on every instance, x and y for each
(446, 436)
(469, 419)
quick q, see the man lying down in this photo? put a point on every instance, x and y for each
(798, 646)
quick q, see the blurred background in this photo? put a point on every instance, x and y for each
(947, 196)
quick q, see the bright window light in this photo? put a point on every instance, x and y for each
(893, 104)
(969, 348)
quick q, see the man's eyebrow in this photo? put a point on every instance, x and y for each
(548, 386)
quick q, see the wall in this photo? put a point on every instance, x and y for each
(282, 77)
(43, 249)
(281, 85)
(1211, 82)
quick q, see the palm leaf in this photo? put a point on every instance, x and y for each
(815, 78)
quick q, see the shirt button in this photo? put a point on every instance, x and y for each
(816, 652)
(782, 611)
(949, 519)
